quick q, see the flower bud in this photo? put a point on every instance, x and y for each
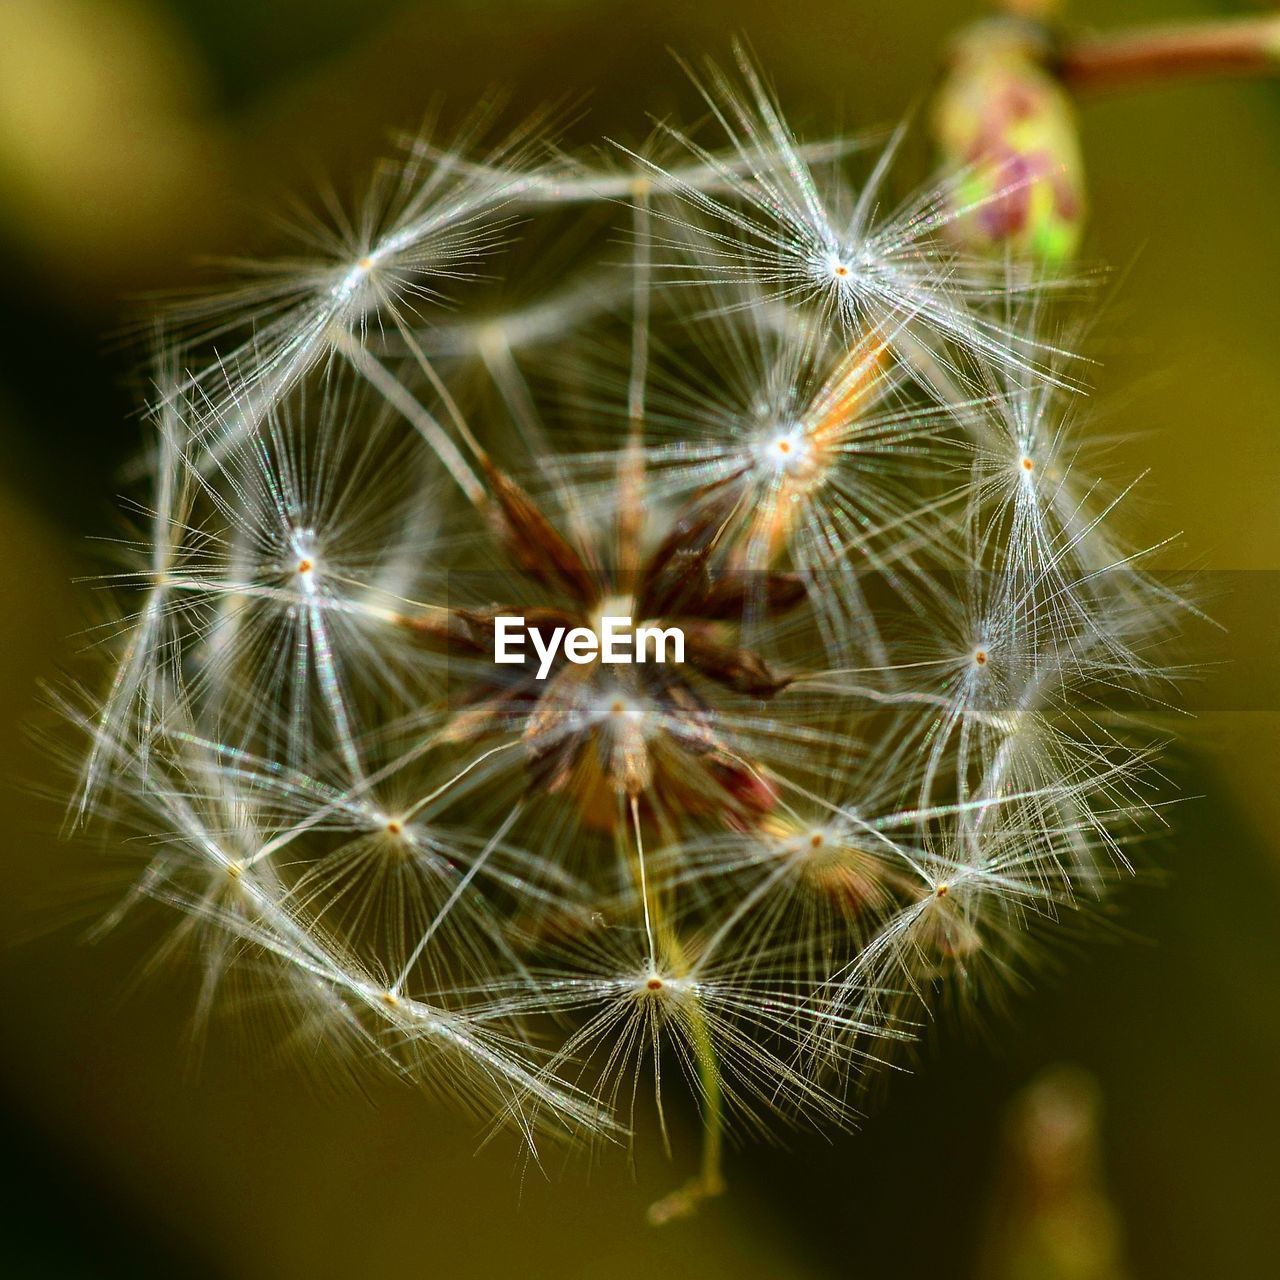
(1008, 126)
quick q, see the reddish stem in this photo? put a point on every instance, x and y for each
(1245, 46)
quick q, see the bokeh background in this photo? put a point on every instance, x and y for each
(138, 135)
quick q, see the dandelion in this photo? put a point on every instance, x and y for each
(900, 742)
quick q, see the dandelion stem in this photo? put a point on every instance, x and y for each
(397, 395)
(684, 1201)
(710, 1179)
(713, 1119)
(446, 396)
(640, 314)
(435, 794)
(459, 889)
(510, 382)
(631, 465)
(644, 880)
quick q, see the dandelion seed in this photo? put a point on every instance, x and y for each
(807, 237)
(421, 228)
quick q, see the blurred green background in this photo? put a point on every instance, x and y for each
(137, 135)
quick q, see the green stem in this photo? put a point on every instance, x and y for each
(684, 1201)
(713, 1113)
(663, 940)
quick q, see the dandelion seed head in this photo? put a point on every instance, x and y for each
(850, 461)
